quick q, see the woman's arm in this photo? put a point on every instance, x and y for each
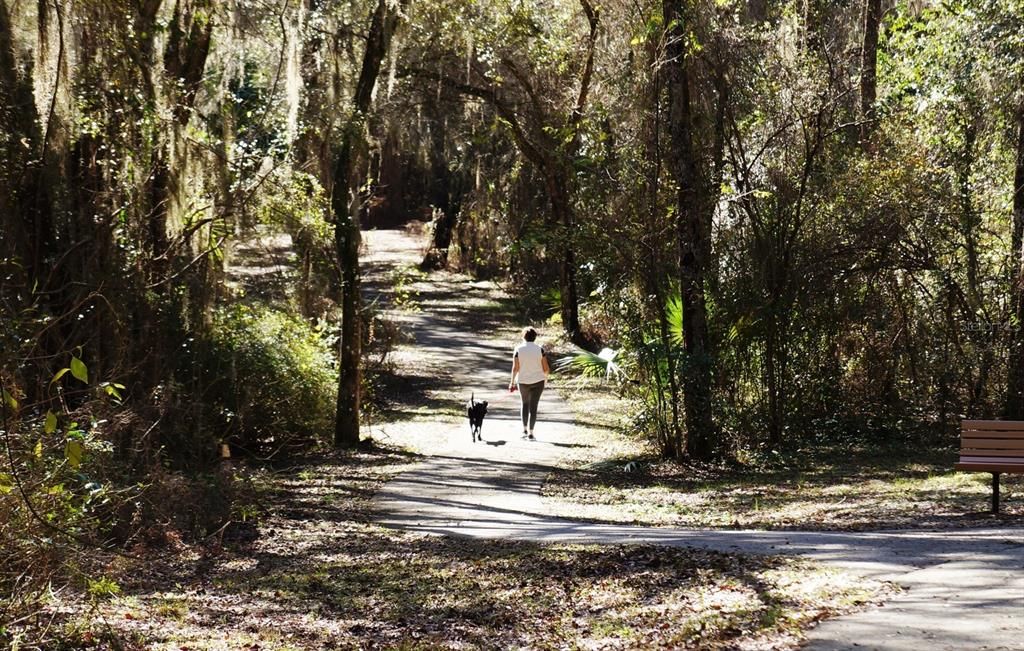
(544, 365)
(515, 370)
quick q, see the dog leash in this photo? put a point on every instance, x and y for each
(502, 397)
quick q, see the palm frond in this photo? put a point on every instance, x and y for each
(590, 364)
(674, 316)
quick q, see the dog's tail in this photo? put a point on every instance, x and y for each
(472, 398)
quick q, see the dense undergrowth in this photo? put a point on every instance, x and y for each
(93, 470)
(270, 381)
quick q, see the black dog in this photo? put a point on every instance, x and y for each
(476, 411)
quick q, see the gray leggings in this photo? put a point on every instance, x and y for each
(530, 394)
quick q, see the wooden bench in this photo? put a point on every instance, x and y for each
(994, 446)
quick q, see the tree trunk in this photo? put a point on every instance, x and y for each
(672, 444)
(980, 334)
(345, 207)
(312, 148)
(561, 196)
(346, 240)
(692, 204)
(1014, 408)
(771, 356)
(570, 296)
(561, 208)
(869, 68)
(27, 235)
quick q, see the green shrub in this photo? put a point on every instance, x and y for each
(270, 380)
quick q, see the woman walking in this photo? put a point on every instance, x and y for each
(530, 368)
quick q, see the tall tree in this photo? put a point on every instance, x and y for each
(869, 67)
(695, 161)
(24, 217)
(345, 206)
(1014, 408)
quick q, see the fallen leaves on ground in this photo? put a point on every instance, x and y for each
(849, 492)
(319, 575)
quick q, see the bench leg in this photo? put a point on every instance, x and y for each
(995, 492)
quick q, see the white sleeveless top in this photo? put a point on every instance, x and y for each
(530, 368)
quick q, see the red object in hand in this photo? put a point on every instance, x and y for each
(511, 388)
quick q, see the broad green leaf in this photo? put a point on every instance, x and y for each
(674, 316)
(6, 483)
(73, 453)
(111, 390)
(10, 401)
(51, 422)
(37, 451)
(59, 375)
(79, 370)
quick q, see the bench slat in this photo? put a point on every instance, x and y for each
(1003, 425)
(990, 467)
(993, 444)
(984, 439)
(984, 456)
(990, 444)
(991, 433)
(1001, 454)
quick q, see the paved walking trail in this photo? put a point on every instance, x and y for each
(964, 588)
